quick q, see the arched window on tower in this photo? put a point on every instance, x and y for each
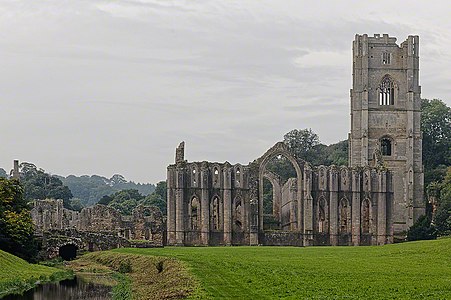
(387, 92)
(386, 147)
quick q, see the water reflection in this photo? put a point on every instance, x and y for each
(76, 288)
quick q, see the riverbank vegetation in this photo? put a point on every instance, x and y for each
(141, 276)
(414, 270)
(17, 276)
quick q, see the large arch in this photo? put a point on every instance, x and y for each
(281, 149)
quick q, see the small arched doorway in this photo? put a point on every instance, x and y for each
(68, 251)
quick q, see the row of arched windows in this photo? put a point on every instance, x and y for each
(215, 219)
(344, 216)
(215, 176)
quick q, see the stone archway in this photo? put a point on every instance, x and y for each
(68, 251)
(296, 206)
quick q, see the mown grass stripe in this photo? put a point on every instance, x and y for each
(415, 270)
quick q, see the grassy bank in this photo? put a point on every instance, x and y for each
(415, 270)
(144, 276)
(16, 275)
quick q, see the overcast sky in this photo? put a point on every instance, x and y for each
(105, 87)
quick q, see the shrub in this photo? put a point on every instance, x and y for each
(421, 230)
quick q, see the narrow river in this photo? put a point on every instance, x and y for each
(76, 288)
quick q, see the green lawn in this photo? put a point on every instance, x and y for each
(16, 275)
(415, 270)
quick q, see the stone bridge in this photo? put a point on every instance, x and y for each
(67, 243)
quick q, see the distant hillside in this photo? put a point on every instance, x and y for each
(89, 189)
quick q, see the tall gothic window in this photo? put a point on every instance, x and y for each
(322, 220)
(238, 218)
(215, 213)
(344, 216)
(215, 176)
(323, 216)
(387, 92)
(386, 147)
(194, 214)
(366, 216)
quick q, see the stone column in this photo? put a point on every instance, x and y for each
(227, 205)
(333, 207)
(204, 204)
(171, 207)
(382, 208)
(308, 206)
(179, 206)
(355, 209)
(16, 173)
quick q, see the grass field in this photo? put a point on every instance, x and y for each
(415, 270)
(16, 275)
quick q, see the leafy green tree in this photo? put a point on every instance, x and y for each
(105, 200)
(421, 230)
(40, 185)
(155, 199)
(126, 200)
(3, 173)
(16, 226)
(436, 128)
(76, 204)
(442, 217)
(162, 190)
(301, 142)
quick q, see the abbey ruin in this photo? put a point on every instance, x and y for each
(370, 202)
(95, 228)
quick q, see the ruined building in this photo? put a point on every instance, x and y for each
(95, 228)
(371, 201)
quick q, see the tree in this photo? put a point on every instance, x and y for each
(301, 142)
(92, 188)
(155, 199)
(126, 200)
(421, 230)
(442, 217)
(76, 204)
(162, 190)
(436, 128)
(40, 185)
(16, 226)
(105, 200)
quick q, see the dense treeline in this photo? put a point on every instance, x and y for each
(88, 190)
(126, 200)
(75, 191)
(436, 128)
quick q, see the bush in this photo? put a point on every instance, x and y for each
(125, 267)
(421, 230)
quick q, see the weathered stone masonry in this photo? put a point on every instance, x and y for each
(95, 228)
(376, 198)
(221, 204)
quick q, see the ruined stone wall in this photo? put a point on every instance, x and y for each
(325, 205)
(146, 223)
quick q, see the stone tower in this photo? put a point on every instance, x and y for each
(385, 119)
